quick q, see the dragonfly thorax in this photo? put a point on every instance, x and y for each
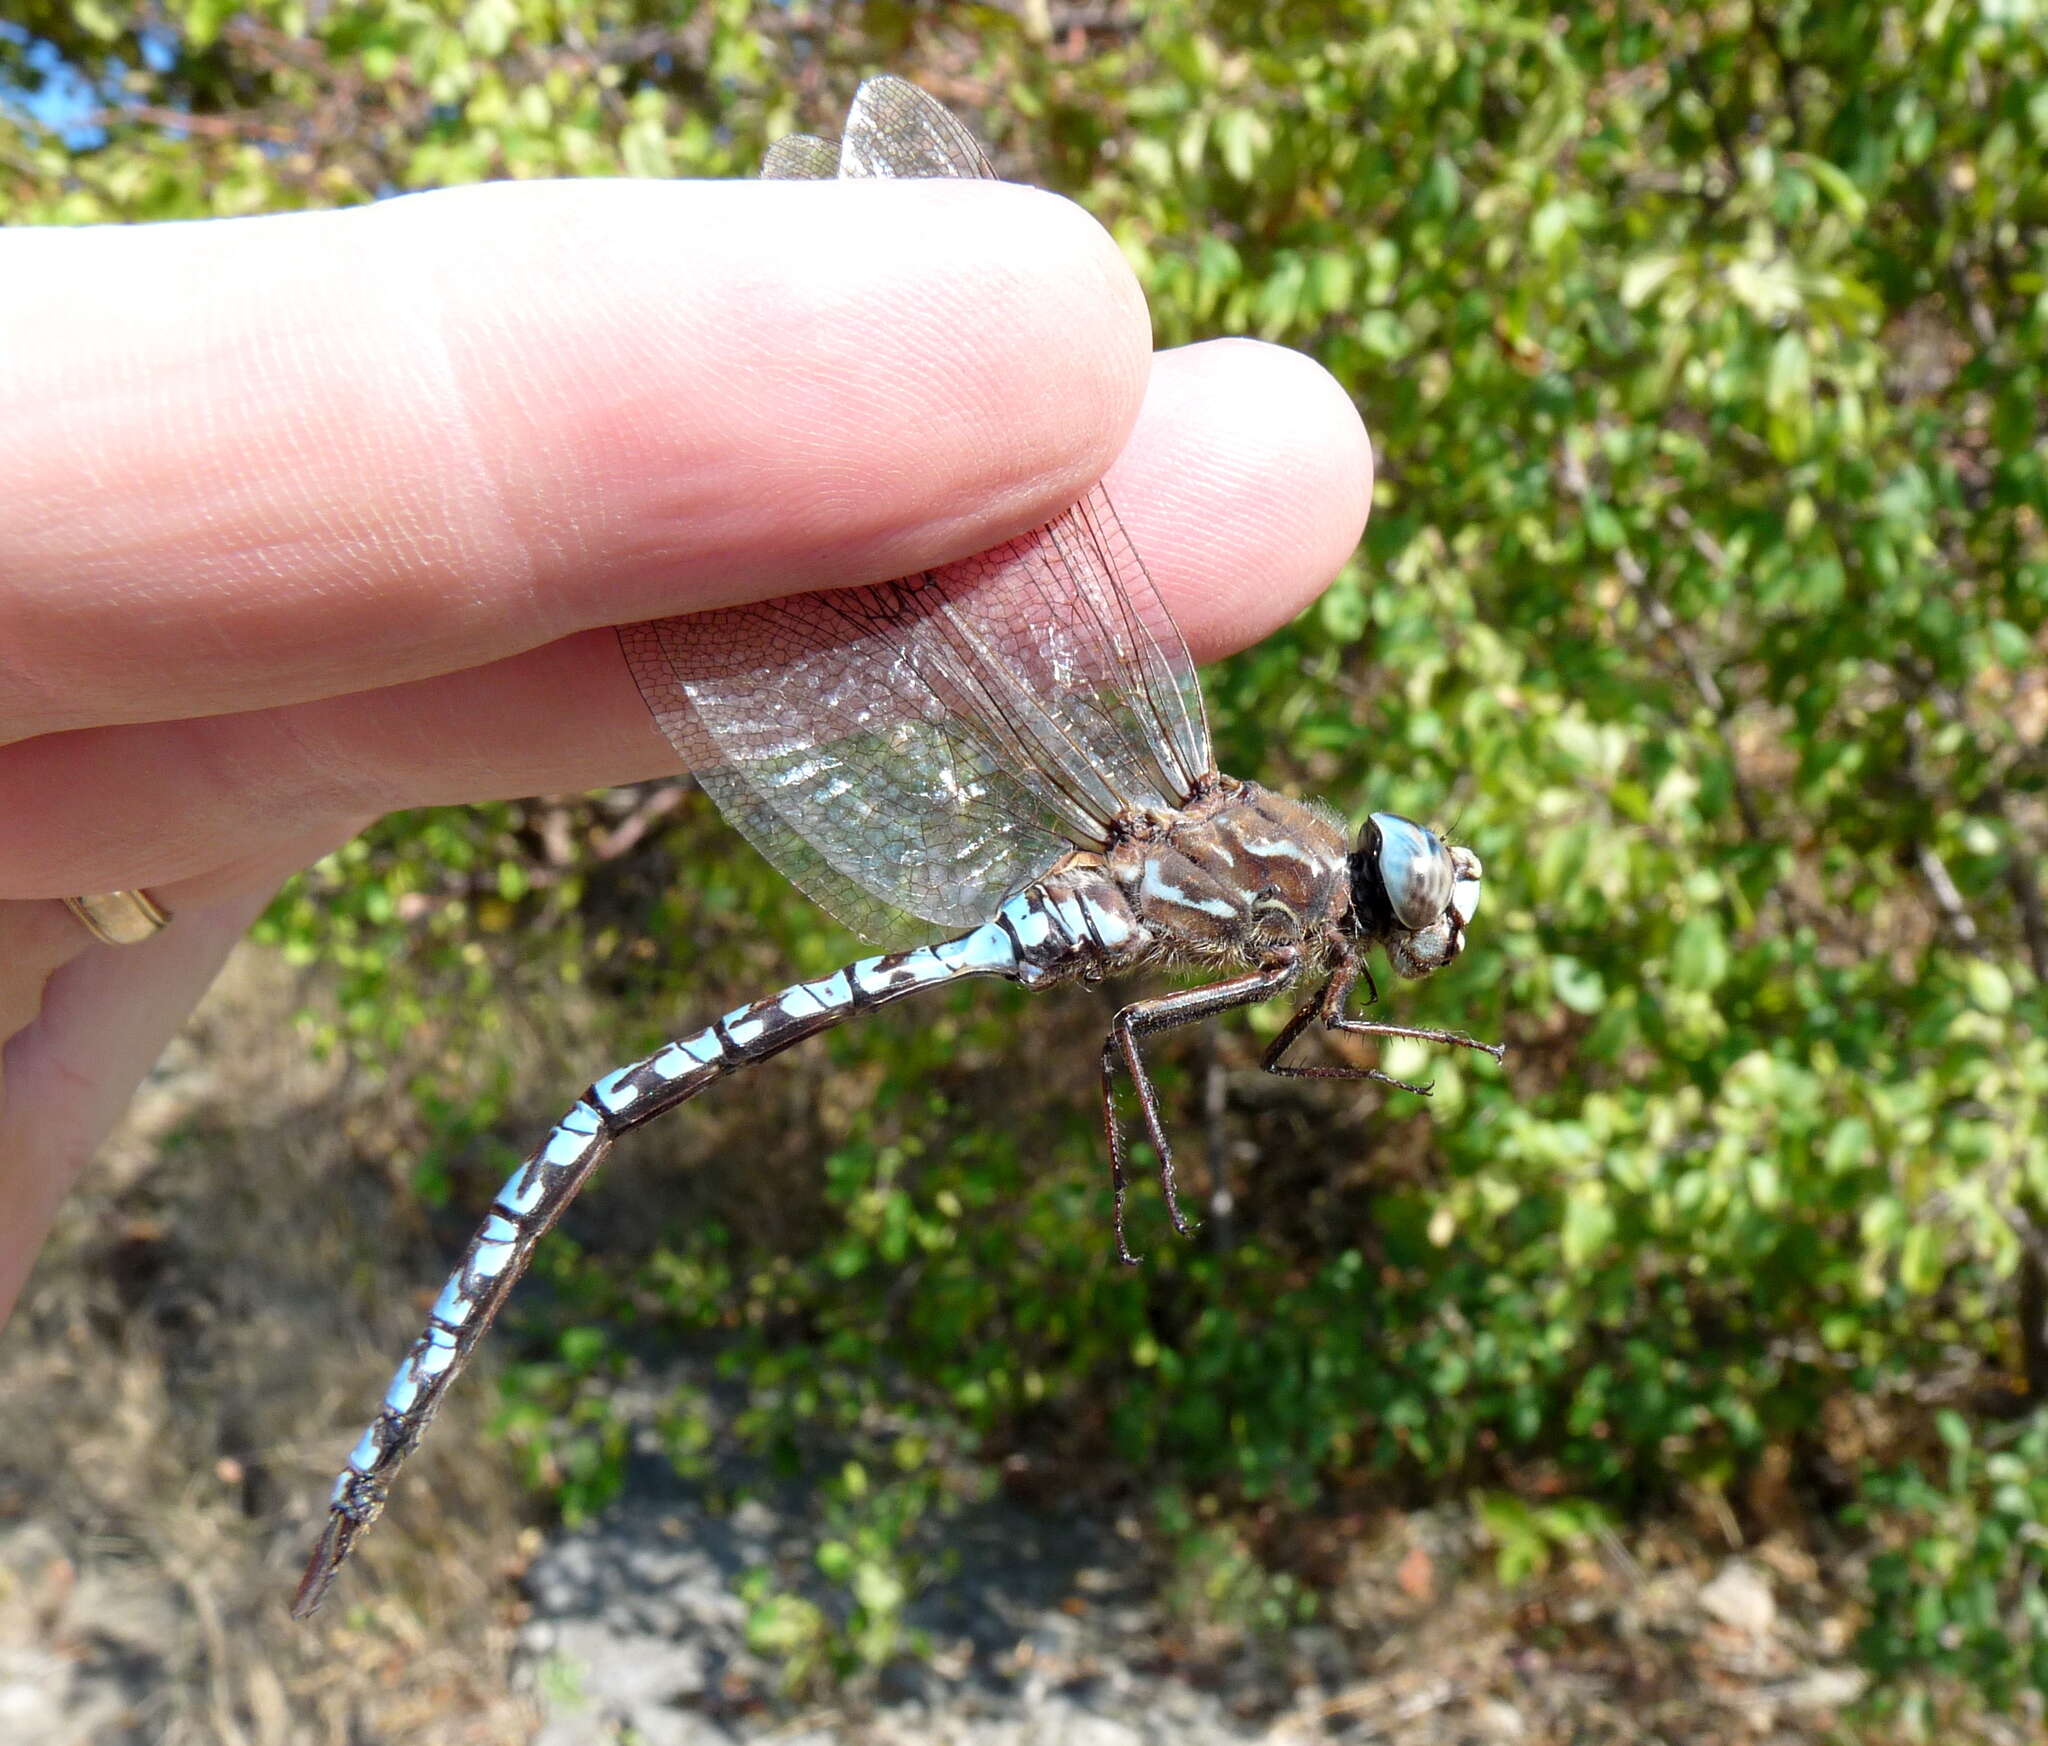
(1234, 874)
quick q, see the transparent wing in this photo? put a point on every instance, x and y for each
(799, 157)
(914, 750)
(894, 129)
(820, 740)
(910, 752)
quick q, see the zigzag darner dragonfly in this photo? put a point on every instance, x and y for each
(1011, 747)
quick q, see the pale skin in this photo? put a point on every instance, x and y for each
(313, 518)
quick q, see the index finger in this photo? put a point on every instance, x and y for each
(262, 461)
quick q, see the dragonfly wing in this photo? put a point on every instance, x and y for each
(894, 129)
(1106, 702)
(910, 752)
(1069, 606)
(937, 741)
(813, 726)
(801, 157)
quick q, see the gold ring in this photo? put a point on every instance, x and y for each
(120, 918)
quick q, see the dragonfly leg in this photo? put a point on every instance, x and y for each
(1327, 1008)
(1144, 1018)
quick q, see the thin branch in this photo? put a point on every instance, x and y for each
(1933, 869)
(185, 121)
(2025, 887)
(2021, 879)
(1947, 898)
(1661, 617)
(2032, 1238)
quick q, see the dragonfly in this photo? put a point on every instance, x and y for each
(1009, 751)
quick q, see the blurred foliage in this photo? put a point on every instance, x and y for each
(1961, 1590)
(1527, 1536)
(1706, 354)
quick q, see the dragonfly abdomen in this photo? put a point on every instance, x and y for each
(1075, 921)
(1056, 928)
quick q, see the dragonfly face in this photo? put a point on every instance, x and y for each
(1413, 893)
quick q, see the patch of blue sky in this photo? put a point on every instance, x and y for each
(59, 98)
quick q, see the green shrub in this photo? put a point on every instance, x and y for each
(1959, 1591)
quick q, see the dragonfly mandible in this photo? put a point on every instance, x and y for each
(1010, 749)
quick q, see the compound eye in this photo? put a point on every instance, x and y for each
(1415, 870)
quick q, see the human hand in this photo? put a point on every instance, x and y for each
(310, 518)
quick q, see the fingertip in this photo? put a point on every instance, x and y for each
(1246, 487)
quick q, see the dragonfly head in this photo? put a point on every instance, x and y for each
(1412, 892)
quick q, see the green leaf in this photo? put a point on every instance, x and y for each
(1644, 278)
(1835, 183)
(1577, 985)
(99, 19)
(1549, 226)
(1589, 1224)
(1381, 333)
(1953, 1429)
(1333, 281)
(489, 26)
(1699, 954)
(1241, 136)
(1790, 379)
(1923, 1258)
(1990, 987)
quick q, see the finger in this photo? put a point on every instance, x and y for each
(1244, 488)
(324, 452)
(39, 937)
(106, 1016)
(34, 939)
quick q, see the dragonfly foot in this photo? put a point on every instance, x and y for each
(1182, 1224)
